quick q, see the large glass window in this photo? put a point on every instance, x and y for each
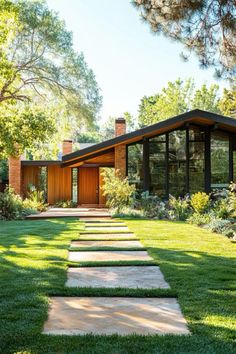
(43, 181)
(234, 164)
(196, 159)
(135, 165)
(219, 159)
(234, 158)
(157, 165)
(75, 184)
(177, 162)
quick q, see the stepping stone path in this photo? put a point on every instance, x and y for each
(105, 243)
(113, 315)
(131, 277)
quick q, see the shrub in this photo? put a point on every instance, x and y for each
(35, 199)
(12, 206)
(223, 209)
(66, 204)
(129, 213)
(200, 202)
(180, 208)
(218, 225)
(152, 206)
(199, 219)
(117, 190)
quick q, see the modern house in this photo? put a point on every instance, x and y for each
(195, 151)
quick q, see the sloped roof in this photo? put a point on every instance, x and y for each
(200, 116)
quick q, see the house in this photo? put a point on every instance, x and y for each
(195, 151)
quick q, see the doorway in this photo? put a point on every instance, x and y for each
(88, 185)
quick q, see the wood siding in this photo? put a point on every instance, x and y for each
(88, 185)
(30, 175)
(59, 184)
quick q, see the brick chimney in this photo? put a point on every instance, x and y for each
(15, 175)
(120, 126)
(120, 150)
(66, 147)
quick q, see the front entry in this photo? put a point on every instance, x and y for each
(88, 185)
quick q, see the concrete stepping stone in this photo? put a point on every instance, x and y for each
(107, 228)
(117, 315)
(107, 235)
(94, 256)
(111, 225)
(120, 244)
(109, 222)
(132, 277)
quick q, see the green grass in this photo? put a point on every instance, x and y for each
(199, 266)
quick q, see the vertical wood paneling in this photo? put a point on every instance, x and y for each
(30, 175)
(59, 184)
(88, 185)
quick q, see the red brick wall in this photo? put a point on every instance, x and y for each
(120, 151)
(15, 174)
(66, 147)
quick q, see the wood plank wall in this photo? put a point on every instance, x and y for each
(30, 175)
(59, 184)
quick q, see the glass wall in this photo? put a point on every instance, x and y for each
(234, 164)
(157, 165)
(74, 184)
(43, 181)
(177, 162)
(196, 159)
(135, 165)
(219, 159)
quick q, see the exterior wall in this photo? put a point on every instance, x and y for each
(120, 159)
(59, 184)
(15, 174)
(66, 147)
(196, 159)
(30, 175)
(120, 150)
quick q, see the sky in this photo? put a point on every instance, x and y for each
(128, 61)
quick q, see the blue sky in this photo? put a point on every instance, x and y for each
(128, 61)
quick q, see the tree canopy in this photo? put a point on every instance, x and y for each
(206, 27)
(178, 97)
(39, 65)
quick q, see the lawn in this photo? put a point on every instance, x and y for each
(199, 266)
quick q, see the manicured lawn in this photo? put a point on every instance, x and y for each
(199, 266)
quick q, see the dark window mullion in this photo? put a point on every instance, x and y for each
(231, 164)
(167, 165)
(146, 172)
(187, 159)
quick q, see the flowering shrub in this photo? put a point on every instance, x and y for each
(200, 202)
(152, 206)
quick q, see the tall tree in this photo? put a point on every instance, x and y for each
(38, 64)
(207, 27)
(178, 97)
(206, 98)
(171, 101)
(227, 103)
